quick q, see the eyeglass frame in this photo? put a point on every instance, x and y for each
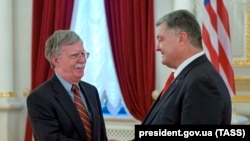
(84, 54)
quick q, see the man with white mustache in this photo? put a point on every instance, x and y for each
(51, 107)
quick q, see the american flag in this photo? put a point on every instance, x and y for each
(216, 39)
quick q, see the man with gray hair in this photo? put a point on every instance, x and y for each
(64, 108)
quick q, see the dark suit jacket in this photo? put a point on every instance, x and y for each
(53, 115)
(198, 95)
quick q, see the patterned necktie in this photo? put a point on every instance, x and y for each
(168, 83)
(82, 111)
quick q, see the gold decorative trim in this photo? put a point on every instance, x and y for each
(241, 99)
(245, 62)
(7, 94)
(242, 83)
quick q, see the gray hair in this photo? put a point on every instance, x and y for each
(54, 42)
(183, 20)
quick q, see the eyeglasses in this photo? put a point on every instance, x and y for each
(83, 54)
(86, 54)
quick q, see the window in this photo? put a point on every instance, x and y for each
(89, 21)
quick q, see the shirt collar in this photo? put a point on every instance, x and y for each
(186, 62)
(65, 83)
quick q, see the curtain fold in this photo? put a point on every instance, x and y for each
(48, 16)
(89, 22)
(131, 31)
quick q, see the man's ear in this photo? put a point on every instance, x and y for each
(183, 38)
(54, 60)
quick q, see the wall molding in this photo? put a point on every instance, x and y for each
(7, 94)
(242, 83)
(245, 62)
(241, 99)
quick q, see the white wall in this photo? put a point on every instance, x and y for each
(22, 23)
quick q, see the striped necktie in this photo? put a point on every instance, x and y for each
(82, 111)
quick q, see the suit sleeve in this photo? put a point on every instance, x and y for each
(43, 119)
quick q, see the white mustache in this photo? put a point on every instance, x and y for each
(79, 66)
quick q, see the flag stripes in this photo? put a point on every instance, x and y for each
(216, 39)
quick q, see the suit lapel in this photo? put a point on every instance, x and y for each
(177, 81)
(67, 104)
(90, 97)
(160, 101)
